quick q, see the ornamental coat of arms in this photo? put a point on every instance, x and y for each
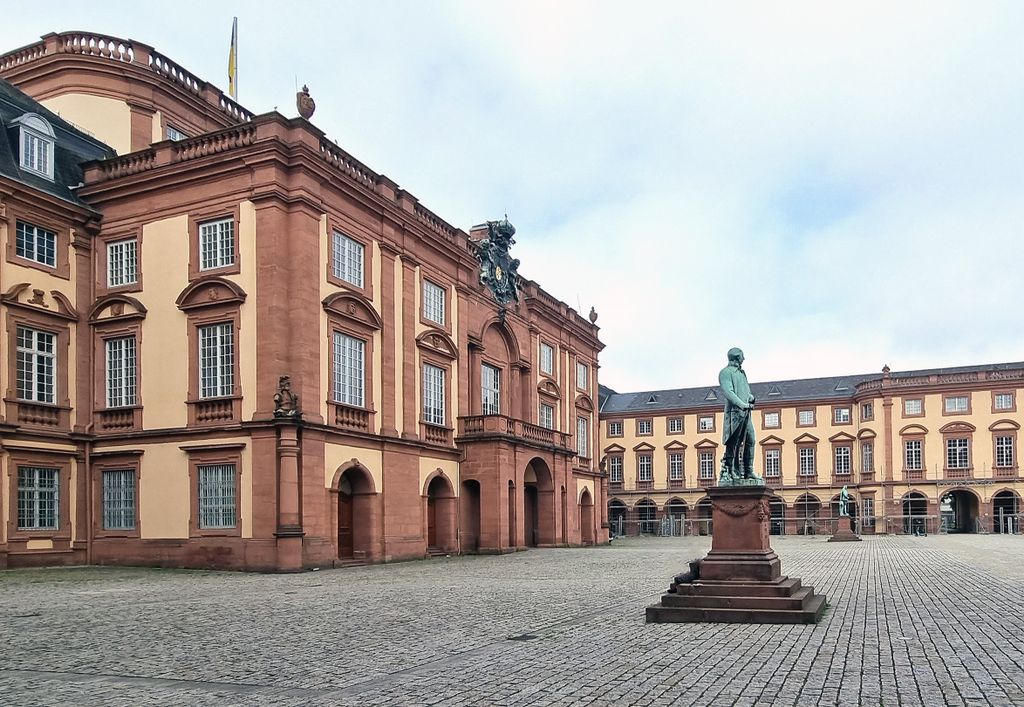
(499, 271)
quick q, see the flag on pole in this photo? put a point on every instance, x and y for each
(233, 61)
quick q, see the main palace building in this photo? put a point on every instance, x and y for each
(229, 343)
(920, 451)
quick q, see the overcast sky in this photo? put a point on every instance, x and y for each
(831, 186)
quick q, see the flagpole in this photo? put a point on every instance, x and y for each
(233, 61)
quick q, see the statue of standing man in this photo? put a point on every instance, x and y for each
(738, 427)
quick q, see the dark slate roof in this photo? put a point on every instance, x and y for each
(72, 146)
(831, 388)
(603, 393)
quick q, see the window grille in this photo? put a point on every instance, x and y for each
(433, 395)
(547, 416)
(217, 496)
(772, 463)
(547, 358)
(433, 302)
(216, 360)
(675, 466)
(615, 469)
(119, 499)
(38, 501)
(120, 372)
(36, 244)
(614, 429)
(706, 465)
(806, 417)
(644, 467)
(912, 407)
(867, 411)
(912, 454)
(771, 419)
(37, 361)
(216, 244)
(348, 259)
(957, 453)
(1004, 401)
(36, 153)
(807, 465)
(122, 266)
(957, 403)
(867, 456)
(675, 425)
(1004, 452)
(843, 455)
(582, 434)
(644, 427)
(349, 370)
(490, 381)
(706, 424)
(842, 415)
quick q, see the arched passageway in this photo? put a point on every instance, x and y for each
(676, 511)
(915, 508)
(356, 513)
(646, 513)
(587, 518)
(1006, 510)
(469, 512)
(441, 518)
(959, 511)
(538, 504)
(617, 517)
(807, 508)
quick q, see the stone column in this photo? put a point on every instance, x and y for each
(390, 332)
(411, 426)
(289, 532)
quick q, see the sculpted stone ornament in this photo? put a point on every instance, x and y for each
(304, 103)
(286, 403)
(499, 271)
(738, 427)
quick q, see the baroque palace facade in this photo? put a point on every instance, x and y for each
(920, 451)
(231, 344)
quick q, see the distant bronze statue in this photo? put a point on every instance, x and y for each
(737, 427)
(844, 502)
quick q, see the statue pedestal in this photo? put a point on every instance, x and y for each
(844, 531)
(740, 580)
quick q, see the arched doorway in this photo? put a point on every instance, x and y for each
(469, 513)
(676, 510)
(587, 518)
(778, 516)
(704, 514)
(646, 512)
(440, 516)
(617, 517)
(512, 542)
(959, 511)
(538, 504)
(915, 507)
(808, 508)
(1005, 510)
(356, 532)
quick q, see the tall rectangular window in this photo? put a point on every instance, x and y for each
(868, 508)
(347, 259)
(675, 466)
(582, 376)
(807, 465)
(547, 359)
(644, 467)
(958, 454)
(217, 502)
(433, 302)
(547, 416)
(1004, 452)
(615, 469)
(119, 499)
(36, 244)
(120, 372)
(490, 385)
(773, 463)
(36, 365)
(349, 370)
(843, 464)
(433, 395)
(867, 411)
(582, 437)
(122, 268)
(957, 403)
(216, 244)
(706, 465)
(912, 454)
(216, 360)
(38, 498)
(867, 456)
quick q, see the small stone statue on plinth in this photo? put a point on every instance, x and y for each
(844, 529)
(737, 426)
(286, 403)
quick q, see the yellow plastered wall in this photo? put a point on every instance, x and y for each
(164, 379)
(336, 455)
(450, 468)
(109, 119)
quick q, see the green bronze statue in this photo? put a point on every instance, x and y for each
(844, 502)
(738, 426)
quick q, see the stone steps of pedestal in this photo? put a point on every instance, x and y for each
(808, 614)
(796, 602)
(785, 587)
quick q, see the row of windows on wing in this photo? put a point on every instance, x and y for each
(40, 493)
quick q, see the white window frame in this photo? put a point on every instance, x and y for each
(954, 404)
(1003, 401)
(433, 302)
(490, 389)
(913, 406)
(644, 427)
(805, 418)
(172, 133)
(645, 467)
(615, 469)
(121, 357)
(118, 499)
(772, 420)
(675, 466)
(582, 376)
(35, 243)
(546, 416)
(433, 395)
(841, 416)
(706, 423)
(217, 243)
(843, 458)
(705, 465)
(36, 367)
(615, 429)
(583, 437)
(348, 257)
(807, 461)
(772, 463)
(867, 411)
(958, 453)
(1005, 452)
(547, 359)
(867, 457)
(216, 360)
(675, 425)
(38, 498)
(913, 454)
(218, 496)
(36, 145)
(349, 368)
(122, 263)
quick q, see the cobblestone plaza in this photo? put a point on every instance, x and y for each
(911, 621)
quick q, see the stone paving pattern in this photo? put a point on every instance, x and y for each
(912, 621)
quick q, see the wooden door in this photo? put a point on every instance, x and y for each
(431, 522)
(346, 544)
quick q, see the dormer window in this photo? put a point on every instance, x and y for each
(36, 145)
